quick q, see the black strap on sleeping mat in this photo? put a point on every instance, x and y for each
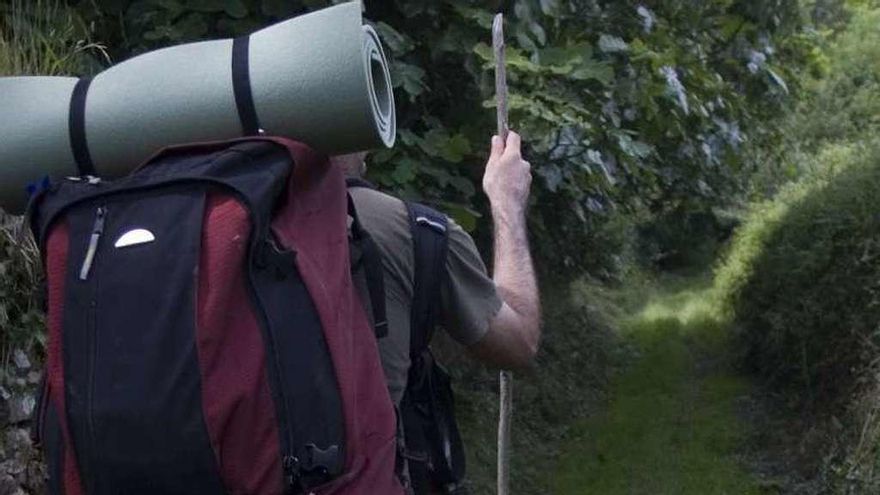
(77, 127)
(241, 86)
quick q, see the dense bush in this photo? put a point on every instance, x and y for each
(802, 275)
(802, 284)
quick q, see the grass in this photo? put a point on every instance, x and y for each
(569, 381)
(671, 426)
(46, 38)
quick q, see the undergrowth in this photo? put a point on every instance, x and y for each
(569, 381)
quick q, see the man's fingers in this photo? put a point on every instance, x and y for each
(513, 142)
(497, 148)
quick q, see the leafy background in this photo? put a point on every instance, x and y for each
(626, 106)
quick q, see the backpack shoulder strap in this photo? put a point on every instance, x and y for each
(430, 235)
(372, 264)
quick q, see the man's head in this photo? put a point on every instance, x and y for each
(353, 163)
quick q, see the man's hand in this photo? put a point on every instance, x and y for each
(507, 179)
(514, 333)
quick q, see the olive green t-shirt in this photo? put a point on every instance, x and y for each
(469, 299)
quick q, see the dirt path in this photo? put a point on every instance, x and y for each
(672, 425)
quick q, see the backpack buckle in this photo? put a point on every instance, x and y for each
(322, 460)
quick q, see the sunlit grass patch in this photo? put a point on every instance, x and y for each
(671, 427)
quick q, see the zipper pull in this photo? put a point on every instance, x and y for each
(290, 464)
(97, 230)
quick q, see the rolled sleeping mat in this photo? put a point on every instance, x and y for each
(321, 78)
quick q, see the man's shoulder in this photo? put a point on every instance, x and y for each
(386, 219)
(372, 198)
(379, 210)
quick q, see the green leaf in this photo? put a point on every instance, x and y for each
(481, 17)
(455, 148)
(552, 176)
(778, 80)
(631, 147)
(235, 9)
(398, 43)
(612, 44)
(409, 77)
(173, 7)
(595, 70)
(484, 51)
(405, 171)
(462, 215)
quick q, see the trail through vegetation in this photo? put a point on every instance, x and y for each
(672, 425)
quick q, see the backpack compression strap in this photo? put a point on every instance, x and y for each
(430, 245)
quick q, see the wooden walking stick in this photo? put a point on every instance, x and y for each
(506, 379)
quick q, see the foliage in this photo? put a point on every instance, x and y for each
(843, 104)
(21, 317)
(800, 280)
(815, 226)
(46, 38)
(801, 283)
(626, 105)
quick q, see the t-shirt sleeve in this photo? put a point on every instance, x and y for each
(470, 299)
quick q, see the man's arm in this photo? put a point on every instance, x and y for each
(515, 331)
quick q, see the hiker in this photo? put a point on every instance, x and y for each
(496, 319)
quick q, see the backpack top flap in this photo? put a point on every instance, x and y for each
(220, 163)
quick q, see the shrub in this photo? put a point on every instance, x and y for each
(844, 104)
(802, 284)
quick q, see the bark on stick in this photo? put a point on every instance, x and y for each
(506, 379)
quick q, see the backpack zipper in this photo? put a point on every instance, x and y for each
(289, 461)
(87, 265)
(97, 231)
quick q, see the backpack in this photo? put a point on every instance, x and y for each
(432, 446)
(204, 335)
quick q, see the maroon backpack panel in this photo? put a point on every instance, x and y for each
(63, 471)
(314, 223)
(237, 402)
